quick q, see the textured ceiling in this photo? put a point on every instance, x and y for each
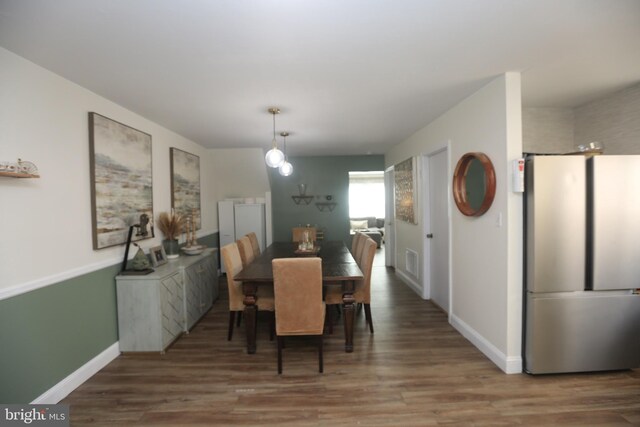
(350, 76)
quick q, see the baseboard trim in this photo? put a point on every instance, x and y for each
(510, 365)
(415, 286)
(61, 390)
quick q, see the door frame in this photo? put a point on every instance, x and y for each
(426, 221)
(390, 220)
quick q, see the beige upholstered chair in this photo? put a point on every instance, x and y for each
(362, 294)
(298, 233)
(297, 286)
(246, 251)
(254, 244)
(360, 248)
(354, 241)
(233, 265)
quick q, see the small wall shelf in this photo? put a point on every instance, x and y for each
(19, 169)
(19, 175)
(326, 206)
(300, 199)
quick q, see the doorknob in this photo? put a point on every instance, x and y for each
(430, 236)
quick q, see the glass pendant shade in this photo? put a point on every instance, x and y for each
(274, 157)
(286, 169)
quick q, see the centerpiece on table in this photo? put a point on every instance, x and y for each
(171, 224)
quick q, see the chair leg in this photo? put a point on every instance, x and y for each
(239, 318)
(272, 325)
(320, 361)
(359, 310)
(232, 315)
(280, 339)
(367, 315)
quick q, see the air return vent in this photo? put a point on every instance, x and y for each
(411, 262)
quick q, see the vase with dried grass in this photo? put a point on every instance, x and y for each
(170, 224)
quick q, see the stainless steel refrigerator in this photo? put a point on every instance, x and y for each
(582, 263)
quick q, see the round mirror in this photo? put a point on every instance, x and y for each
(474, 184)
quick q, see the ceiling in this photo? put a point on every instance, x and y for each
(350, 76)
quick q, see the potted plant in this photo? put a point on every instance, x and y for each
(170, 224)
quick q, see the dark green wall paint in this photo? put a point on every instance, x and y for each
(48, 333)
(323, 176)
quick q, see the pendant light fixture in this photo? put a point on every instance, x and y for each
(274, 157)
(285, 168)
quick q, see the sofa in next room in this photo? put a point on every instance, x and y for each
(371, 226)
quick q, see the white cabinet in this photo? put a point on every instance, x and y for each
(237, 219)
(249, 218)
(153, 310)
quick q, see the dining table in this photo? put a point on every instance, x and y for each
(339, 268)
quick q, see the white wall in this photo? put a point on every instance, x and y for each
(46, 222)
(242, 172)
(486, 258)
(548, 130)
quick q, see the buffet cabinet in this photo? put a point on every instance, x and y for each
(155, 309)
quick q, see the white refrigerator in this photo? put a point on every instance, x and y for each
(237, 219)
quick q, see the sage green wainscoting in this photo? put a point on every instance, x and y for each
(323, 175)
(48, 333)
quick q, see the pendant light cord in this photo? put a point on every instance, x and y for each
(274, 130)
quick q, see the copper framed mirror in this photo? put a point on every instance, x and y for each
(474, 184)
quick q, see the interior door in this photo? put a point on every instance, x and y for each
(437, 229)
(389, 222)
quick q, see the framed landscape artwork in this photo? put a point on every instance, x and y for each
(121, 181)
(404, 182)
(185, 185)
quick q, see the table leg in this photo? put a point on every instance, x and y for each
(250, 314)
(348, 311)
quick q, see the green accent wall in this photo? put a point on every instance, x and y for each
(48, 333)
(323, 176)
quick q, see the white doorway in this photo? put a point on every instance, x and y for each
(436, 212)
(389, 222)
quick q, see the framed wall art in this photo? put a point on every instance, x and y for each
(185, 185)
(121, 182)
(404, 182)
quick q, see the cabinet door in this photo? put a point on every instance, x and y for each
(192, 296)
(207, 276)
(172, 308)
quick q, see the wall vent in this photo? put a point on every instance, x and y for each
(411, 262)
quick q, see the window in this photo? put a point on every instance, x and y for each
(366, 194)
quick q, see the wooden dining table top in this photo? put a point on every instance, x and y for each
(337, 262)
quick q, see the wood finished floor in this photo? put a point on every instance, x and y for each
(415, 371)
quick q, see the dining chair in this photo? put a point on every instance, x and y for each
(233, 265)
(254, 244)
(246, 251)
(297, 284)
(354, 241)
(298, 233)
(362, 293)
(360, 248)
